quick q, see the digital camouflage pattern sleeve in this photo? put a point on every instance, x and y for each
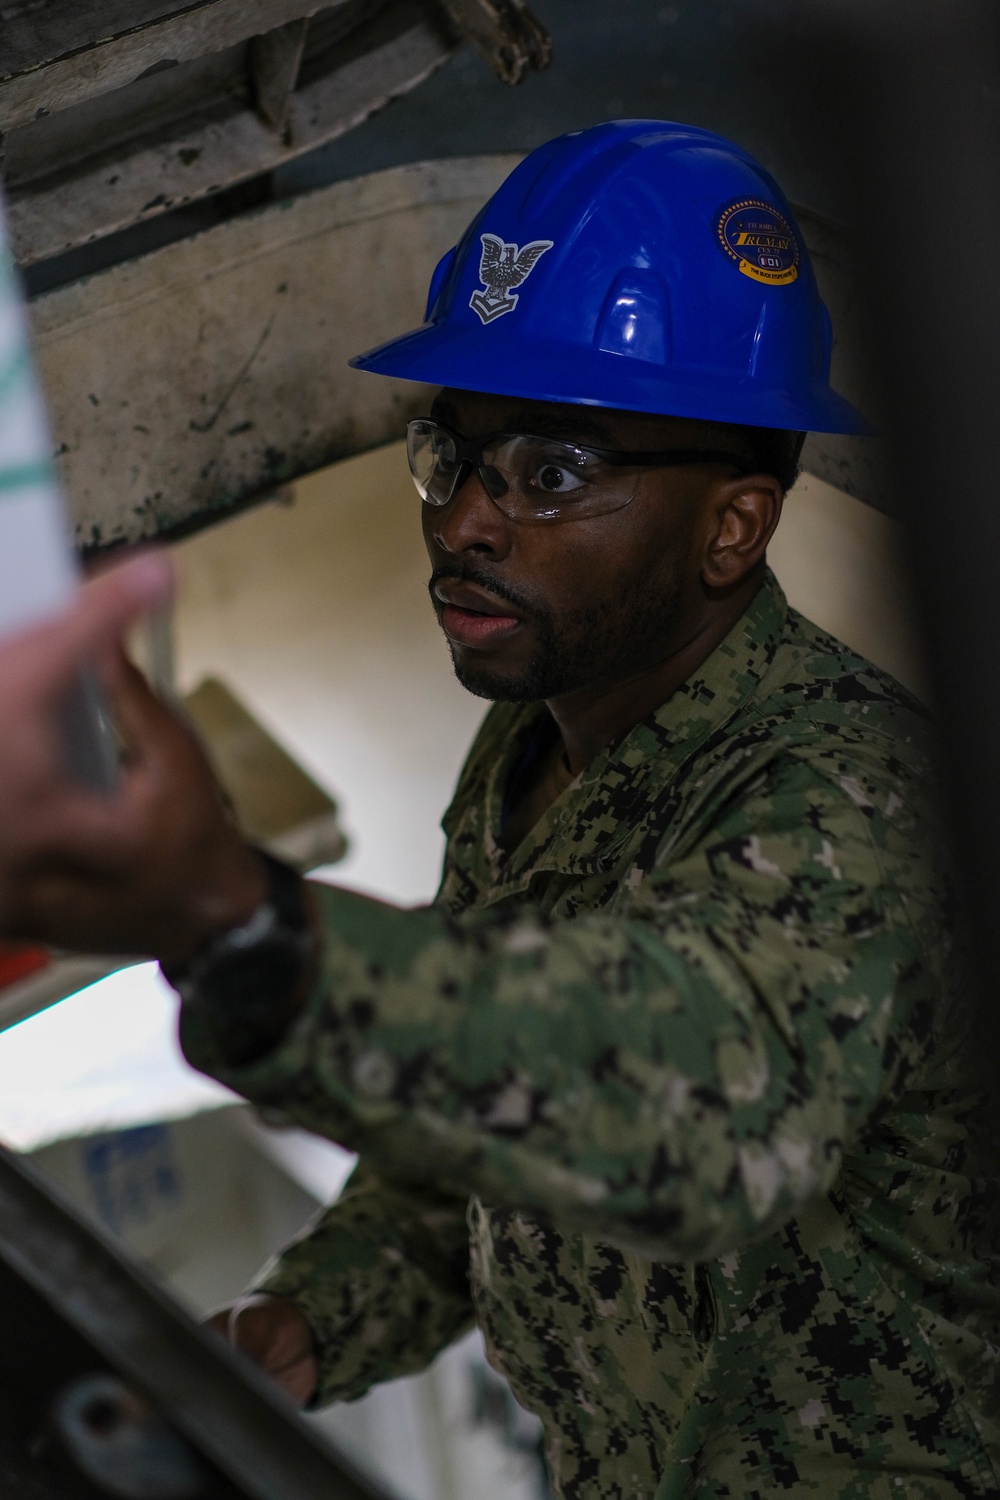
(699, 1055)
(383, 1280)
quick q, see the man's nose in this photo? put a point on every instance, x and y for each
(470, 522)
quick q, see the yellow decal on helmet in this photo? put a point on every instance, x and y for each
(760, 241)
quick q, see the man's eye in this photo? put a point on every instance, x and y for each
(556, 478)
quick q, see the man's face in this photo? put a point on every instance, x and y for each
(535, 611)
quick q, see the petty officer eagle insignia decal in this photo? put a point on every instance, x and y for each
(502, 268)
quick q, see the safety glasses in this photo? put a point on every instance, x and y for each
(536, 479)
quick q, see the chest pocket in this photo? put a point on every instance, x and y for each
(669, 1299)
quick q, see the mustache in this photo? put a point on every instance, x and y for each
(462, 573)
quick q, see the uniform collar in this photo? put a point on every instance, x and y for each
(591, 817)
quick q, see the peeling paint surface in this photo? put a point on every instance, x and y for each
(191, 382)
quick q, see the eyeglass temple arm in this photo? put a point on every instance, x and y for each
(672, 458)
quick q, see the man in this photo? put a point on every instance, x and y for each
(673, 1090)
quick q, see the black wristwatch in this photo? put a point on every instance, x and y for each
(245, 981)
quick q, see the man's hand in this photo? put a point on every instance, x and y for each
(37, 667)
(156, 869)
(274, 1334)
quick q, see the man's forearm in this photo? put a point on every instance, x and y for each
(382, 1281)
(622, 1075)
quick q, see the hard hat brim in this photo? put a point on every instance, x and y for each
(447, 356)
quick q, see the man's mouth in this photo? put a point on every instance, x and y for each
(472, 616)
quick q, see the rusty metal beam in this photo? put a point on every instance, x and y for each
(511, 39)
(168, 140)
(60, 52)
(275, 59)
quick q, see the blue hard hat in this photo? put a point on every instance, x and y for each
(640, 265)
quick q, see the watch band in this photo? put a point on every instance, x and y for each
(245, 981)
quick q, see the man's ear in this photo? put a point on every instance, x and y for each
(744, 512)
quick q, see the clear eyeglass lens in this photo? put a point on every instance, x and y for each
(433, 461)
(547, 478)
(529, 478)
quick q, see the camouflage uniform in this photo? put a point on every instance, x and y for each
(693, 1072)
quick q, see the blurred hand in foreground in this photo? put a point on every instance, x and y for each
(158, 867)
(37, 668)
(275, 1335)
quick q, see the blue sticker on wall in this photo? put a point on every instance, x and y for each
(760, 240)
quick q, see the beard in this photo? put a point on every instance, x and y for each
(603, 638)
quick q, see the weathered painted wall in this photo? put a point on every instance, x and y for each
(187, 383)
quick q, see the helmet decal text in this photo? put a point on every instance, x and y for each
(760, 241)
(501, 268)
